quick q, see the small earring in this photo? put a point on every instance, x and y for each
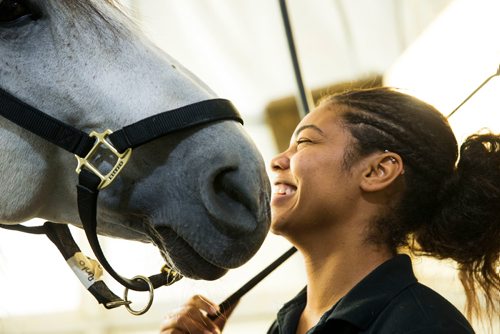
(393, 160)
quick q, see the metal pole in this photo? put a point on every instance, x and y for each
(305, 100)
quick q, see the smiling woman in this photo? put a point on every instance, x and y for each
(317, 149)
(368, 174)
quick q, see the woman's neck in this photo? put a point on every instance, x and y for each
(332, 271)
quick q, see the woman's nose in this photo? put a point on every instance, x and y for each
(280, 162)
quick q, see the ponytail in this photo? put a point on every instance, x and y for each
(466, 226)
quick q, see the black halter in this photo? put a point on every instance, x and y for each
(120, 143)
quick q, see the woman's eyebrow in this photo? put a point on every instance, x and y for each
(308, 126)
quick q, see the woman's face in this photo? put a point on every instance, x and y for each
(312, 188)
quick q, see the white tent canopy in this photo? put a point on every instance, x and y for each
(454, 55)
(239, 47)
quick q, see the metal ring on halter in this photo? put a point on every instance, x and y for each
(151, 296)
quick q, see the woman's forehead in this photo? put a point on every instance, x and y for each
(322, 119)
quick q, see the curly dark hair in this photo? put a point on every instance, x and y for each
(450, 208)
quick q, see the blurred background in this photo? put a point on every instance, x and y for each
(438, 50)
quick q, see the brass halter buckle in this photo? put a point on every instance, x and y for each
(101, 142)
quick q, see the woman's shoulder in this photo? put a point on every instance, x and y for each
(419, 309)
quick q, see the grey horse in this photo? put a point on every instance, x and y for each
(201, 195)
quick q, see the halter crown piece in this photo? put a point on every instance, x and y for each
(91, 180)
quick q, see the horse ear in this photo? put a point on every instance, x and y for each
(381, 172)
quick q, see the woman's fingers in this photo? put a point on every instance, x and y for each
(223, 315)
(192, 318)
(204, 304)
(171, 331)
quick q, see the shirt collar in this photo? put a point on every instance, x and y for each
(366, 300)
(360, 306)
(288, 316)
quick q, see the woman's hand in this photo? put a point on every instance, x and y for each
(193, 318)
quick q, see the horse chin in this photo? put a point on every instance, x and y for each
(185, 259)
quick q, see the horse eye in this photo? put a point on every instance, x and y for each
(16, 11)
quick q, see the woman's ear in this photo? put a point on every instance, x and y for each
(381, 171)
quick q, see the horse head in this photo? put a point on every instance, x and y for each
(201, 195)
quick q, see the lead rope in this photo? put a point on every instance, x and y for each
(233, 299)
(87, 270)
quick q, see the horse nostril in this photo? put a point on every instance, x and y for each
(224, 184)
(232, 201)
(227, 185)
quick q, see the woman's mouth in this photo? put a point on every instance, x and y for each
(283, 189)
(282, 192)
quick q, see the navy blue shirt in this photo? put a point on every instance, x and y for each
(389, 300)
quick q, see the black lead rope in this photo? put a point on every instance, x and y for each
(233, 299)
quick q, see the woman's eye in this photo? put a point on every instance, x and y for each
(15, 11)
(302, 141)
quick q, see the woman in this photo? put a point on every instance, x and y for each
(369, 172)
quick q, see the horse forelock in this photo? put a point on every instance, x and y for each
(101, 15)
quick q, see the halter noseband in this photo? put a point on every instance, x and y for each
(120, 143)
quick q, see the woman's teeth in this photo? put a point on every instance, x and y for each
(285, 189)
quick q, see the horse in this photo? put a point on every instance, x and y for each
(201, 195)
